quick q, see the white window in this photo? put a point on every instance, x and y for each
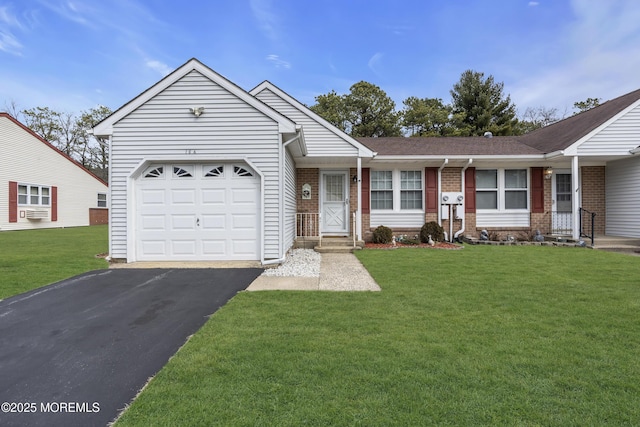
(34, 195)
(381, 190)
(396, 190)
(502, 189)
(102, 200)
(410, 190)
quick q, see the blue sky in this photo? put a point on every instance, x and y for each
(71, 55)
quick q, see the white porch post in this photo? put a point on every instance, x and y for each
(358, 231)
(577, 199)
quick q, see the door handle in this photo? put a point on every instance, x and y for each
(197, 222)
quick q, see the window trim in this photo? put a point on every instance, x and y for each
(396, 190)
(29, 194)
(502, 190)
(99, 200)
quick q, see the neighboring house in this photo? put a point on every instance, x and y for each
(41, 187)
(203, 170)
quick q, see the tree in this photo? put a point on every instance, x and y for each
(365, 111)
(71, 134)
(331, 107)
(536, 118)
(370, 112)
(480, 106)
(426, 117)
(585, 105)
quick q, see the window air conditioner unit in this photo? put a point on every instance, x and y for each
(37, 214)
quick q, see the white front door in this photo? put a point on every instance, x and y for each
(561, 215)
(335, 202)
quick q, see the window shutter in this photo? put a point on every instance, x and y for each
(431, 189)
(537, 190)
(366, 195)
(470, 190)
(54, 203)
(13, 201)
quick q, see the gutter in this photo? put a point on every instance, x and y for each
(463, 181)
(446, 161)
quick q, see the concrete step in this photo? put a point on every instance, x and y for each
(336, 249)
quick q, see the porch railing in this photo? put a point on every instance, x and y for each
(353, 228)
(308, 225)
(561, 222)
(587, 224)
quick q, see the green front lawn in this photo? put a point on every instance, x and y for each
(30, 259)
(481, 336)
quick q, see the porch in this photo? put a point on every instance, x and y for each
(309, 235)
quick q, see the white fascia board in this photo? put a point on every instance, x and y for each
(572, 150)
(105, 128)
(363, 151)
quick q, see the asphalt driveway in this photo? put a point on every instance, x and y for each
(76, 352)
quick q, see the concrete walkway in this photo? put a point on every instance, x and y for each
(338, 272)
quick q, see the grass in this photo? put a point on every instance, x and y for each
(483, 336)
(30, 259)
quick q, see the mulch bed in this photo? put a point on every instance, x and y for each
(438, 245)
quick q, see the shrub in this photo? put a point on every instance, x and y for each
(434, 229)
(382, 234)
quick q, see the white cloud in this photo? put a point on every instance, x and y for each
(374, 61)
(267, 20)
(9, 44)
(534, 3)
(601, 58)
(158, 66)
(277, 62)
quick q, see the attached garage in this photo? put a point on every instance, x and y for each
(197, 212)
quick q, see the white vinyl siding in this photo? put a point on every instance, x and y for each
(34, 162)
(623, 198)
(321, 142)
(617, 138)
(228, 129)
(289, 201)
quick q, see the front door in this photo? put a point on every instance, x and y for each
(561, 215)
(335, 202)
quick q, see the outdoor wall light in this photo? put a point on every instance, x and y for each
(354, 178)
(548, 171)
(196, 111)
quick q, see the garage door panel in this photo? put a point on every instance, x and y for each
(214, 222)
(183, 247)
(183, 222)
(152, 197)
(183, 197)
(154, 247)
(198, 217)
(214, 247)
(212, 196)
(153, 222)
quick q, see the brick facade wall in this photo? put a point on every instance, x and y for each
(593, 195)
(593, 199)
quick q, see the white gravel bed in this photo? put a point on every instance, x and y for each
(298, 263)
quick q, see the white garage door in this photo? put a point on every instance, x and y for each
(197, 212)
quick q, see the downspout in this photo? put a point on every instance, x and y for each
(577, 200)
(446, 161)
(110, 198)
(358, 231)
(282, 195)
(464, 183)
